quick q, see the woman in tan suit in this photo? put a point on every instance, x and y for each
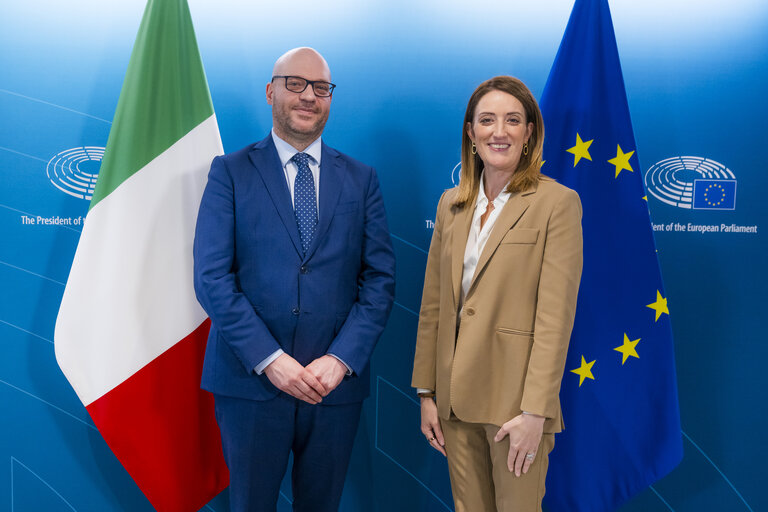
(497, 311)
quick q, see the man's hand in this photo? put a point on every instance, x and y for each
(328, 370)
(524, 433)
(288, 375)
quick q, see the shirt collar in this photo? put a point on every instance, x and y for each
(285, 151)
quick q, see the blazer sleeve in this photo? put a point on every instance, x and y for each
(424, 360)
(555, 308)
(366, 320)
(216, 287)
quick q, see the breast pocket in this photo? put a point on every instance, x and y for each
(521, 236)
(347, 224)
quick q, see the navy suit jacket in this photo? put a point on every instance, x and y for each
(262, 293)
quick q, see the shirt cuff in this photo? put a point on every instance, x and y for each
(423, 390)
(259, 369)
(349, 370)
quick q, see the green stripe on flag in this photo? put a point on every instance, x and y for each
(164, 96)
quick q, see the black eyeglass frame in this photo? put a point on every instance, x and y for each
(331, 86)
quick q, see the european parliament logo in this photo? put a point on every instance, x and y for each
(692, 182)
(74, 171)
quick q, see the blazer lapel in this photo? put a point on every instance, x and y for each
(460, 232)
(267, 164)
(331, 180)
(512, 211)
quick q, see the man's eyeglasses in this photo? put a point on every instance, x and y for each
(298, 84)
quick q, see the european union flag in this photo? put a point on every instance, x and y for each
(619, 391)
(714, 194)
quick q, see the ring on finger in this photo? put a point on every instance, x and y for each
(530, 456)
(430, 439)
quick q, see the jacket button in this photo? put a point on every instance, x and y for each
(470, 311)
(304, 269)
(295, 311)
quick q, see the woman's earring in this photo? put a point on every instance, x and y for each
(474, 149)
(525, 149)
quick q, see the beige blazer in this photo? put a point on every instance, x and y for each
(508, 353)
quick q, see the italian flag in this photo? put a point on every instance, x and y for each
(130, 335)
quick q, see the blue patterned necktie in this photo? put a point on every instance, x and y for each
(304, 200)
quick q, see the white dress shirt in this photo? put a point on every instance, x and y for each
(285, 153)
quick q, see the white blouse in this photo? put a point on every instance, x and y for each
(477, 236)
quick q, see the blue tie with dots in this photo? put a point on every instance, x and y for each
(304, 200)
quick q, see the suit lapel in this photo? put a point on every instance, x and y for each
(512, 211)
(460, 232)
(331, 180)
(267, 164)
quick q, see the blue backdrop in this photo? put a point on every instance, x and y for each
(695, 74)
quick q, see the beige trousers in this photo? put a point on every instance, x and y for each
(477, 465)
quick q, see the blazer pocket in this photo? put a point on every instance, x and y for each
(518, 332)
(349, 207)
(521, 236)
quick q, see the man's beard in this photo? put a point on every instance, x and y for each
(286, 123)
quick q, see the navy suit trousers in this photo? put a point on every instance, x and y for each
(258, 437)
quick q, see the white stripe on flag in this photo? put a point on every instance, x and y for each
(130, 292)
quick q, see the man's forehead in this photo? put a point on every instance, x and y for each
(304, 62)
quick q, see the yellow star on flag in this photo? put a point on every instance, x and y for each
(621, 161)
(584, 371)
(580, 150)
(660, 306)
(628, 349)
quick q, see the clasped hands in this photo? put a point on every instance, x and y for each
(311, 383)
(524, 431)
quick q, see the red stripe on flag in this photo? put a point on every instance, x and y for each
(162, 428)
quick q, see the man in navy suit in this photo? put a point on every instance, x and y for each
(294, 266)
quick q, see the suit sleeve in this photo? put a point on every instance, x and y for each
(216, 287)
(555, 308)
(424, 361)
(366, 320)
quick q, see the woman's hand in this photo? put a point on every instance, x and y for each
(524, 433)
(430, 425)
